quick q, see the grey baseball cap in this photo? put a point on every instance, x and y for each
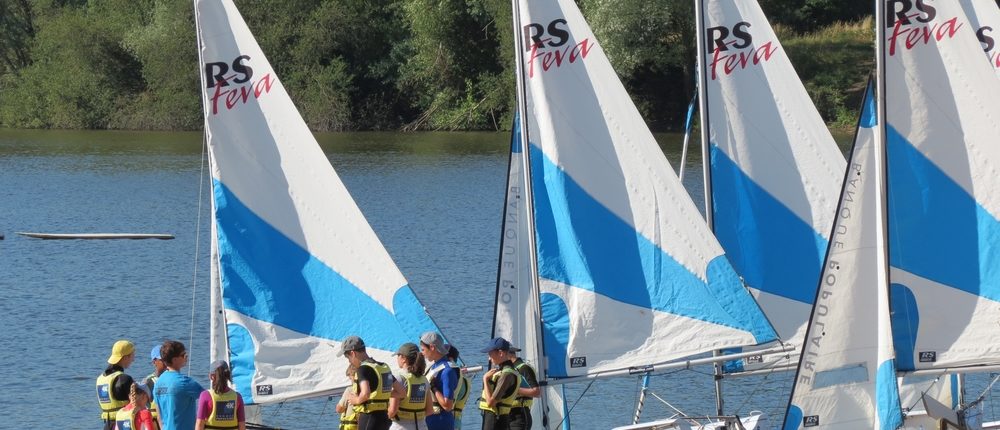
(434, 339)
(351, 343)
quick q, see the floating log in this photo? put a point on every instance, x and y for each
(96, 235)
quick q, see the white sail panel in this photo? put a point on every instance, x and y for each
(296, 256)
(774, 165)
(516, 311)
(614, 226)
(846, 378)
(943, 145)
(984, 15)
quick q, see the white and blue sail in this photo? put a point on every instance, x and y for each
(773, 167)
(517, 312)
(943, 146)
(846, 376)
(984, 15)
(629, 274)
(300, 269)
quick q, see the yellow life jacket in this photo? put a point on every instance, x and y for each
(462, 395)
(502, 406)
(106, 397)
(223, 411)
(523, 401)
(153, 410)
(349, 419)
(412, 406)
(124, 420)
(378, 400)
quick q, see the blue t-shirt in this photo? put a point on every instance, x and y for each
(176, 396)
(446, 383)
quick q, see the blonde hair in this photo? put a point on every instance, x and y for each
(133, 397)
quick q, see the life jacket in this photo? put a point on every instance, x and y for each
(432, 375)
(153, 409)
(523, 401)
(378, 400)
(223, 414)
(124, 419)
(412, 406)
(349, 419)
(461, 394)
(106, 397)
(502, 406)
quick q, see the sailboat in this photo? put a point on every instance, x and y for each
(295, 267)
(771, 167)
(606, 266)
(941, 217)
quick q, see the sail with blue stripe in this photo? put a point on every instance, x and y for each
(629, 274)
(943, 146)
(846, 376)
(298, 266)
(773, 165)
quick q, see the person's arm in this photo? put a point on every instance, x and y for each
(504, 384)
(428, 402)
(241, 417)
(344, 403)
(364, 393)
(533, 390)
(204, 410)
(393, 407)
(398, 390)
(446, 397)
(487, 394)
(145, 419)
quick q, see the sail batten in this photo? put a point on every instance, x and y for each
(298, 266)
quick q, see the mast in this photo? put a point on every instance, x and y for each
(218, 345)
(702, 90)
(522, 105)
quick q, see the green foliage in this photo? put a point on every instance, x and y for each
(834, 63)
(80, 76)
(379, 64)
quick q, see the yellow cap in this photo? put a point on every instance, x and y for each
(121, 349)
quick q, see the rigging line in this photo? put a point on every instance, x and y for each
(566, 415)
(197, 242)
(772, 367)
(678, 411)
(924, 393)
(982, 396)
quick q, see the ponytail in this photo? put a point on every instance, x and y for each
(222, 377)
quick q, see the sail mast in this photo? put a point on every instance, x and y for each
(528, 201)
(218, 344)
(701, 46)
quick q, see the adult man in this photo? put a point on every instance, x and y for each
(443, 379)
(175, 393)
(499, 386)
(158, 368)
(113, 384)
(373, 386)
(520, 414)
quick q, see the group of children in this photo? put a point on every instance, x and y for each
(433, 397)
(420, 396)
(166, 399)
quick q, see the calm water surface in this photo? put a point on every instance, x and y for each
(434, 200)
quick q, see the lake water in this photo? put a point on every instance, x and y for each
(434, 199)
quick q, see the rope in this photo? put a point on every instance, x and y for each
(197, 243)
(559, 424)
(987, 391)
